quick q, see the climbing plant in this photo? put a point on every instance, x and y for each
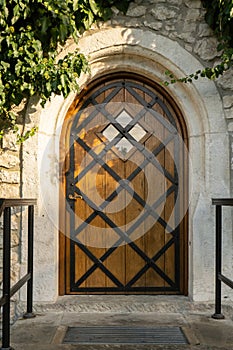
(32, 33)
(219, 16)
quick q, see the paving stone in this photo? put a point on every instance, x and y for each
(47, 330)
(33, 333)
(27, 346)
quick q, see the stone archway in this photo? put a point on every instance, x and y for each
(150, 55)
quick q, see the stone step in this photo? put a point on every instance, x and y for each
(124, 304)
(47, 331)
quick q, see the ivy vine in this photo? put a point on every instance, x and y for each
(31, 33)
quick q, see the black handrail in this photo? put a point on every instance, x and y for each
(5, 208)
(219, 277)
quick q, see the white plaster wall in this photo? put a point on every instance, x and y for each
(150, 54)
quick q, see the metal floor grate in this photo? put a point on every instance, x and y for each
(124, 335)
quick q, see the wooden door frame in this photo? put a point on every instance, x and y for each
(74, 107)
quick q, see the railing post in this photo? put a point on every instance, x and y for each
(29, 313)
(218, 269)
(6, 279)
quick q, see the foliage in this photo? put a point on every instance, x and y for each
(219, 16)
(31, 33)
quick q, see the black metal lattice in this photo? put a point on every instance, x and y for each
(149, 157)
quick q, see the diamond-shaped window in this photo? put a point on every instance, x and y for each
(110, 132)
(137, 132)
(124, 146)
(123, 119)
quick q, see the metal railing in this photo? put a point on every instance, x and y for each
(8, 291)
(219, 277)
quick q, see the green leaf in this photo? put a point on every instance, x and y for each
(48, 87)
(63, 80)
(5, 65)
(63, 32)
(44, 24)
(75, 5)
(27, 134)
(95, 8)
(16, 14)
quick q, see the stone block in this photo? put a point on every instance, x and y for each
(9, 159)
(230, 128)
(204, 30)
(153, 25)
(207, 49)
(184, 36)
(14, 257)
(226, 81)
(9, 190)
(229, 113)
(15, 270)
(228, 101)
(176, 2)
(10, 177)
(14, 238)
(136, 11)
(132, 22)
(156, 1)
(194, 4)
(9, 141)
(192, 15)
(163, 13)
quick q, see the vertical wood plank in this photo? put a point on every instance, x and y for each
(155, 234)
(134, 262)
(116, 261)
(95, 190)
(79, 260)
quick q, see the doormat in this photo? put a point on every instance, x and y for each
(124, 335)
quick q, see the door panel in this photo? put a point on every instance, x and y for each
(123, 229)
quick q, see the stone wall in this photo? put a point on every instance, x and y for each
(10, 188)
(180, 21)
(226, 85)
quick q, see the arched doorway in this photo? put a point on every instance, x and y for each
(124, 190)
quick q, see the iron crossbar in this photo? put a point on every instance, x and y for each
(8, 292)
(219, 277)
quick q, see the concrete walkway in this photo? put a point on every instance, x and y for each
(47, 330)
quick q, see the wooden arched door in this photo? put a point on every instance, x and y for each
(124, 187)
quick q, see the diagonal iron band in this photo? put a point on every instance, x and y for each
(98, 263)
(99, 160)
(149, 262)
